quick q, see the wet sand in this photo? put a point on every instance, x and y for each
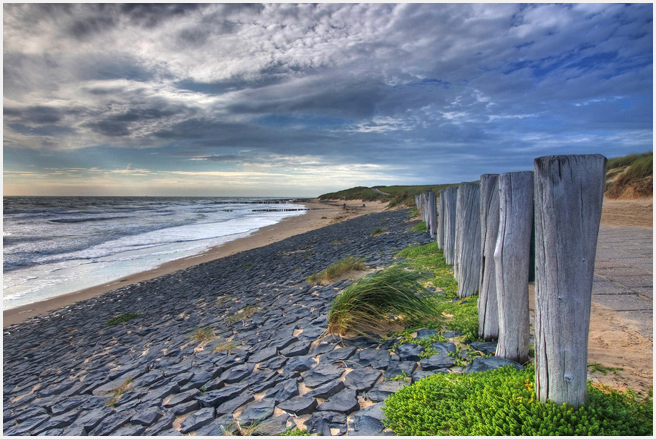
(322, 214)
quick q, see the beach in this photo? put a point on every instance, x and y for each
(269, 353)
(256, 300)
(319, 215)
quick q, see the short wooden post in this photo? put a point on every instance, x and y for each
(440, 222)
(511, 258)
(569, 192)
(450, 195)
(488, 314)
(467, 267)
(432, 213)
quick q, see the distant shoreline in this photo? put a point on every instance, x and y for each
(311, 220)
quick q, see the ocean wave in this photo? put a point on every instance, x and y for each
(85, 220)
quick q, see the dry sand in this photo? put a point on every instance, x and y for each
(634, 213)
(322, 214)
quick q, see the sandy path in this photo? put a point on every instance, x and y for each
(323, 214)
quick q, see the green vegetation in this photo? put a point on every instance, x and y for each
(634, 172)
(248, 264)
(378, 231)
(627, 160)
(120, 390)
(502, 402)
(389, 297)
(242, 314)
(339, 268)
(603, 369)
(122, 319)
(397, 195)
(461, 315)
(421, 227)
(226, 346)
(203, 334)
(413, 212)
(296, 432)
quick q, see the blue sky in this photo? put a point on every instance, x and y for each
(299, 100)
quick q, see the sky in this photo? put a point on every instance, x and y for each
(300, 100)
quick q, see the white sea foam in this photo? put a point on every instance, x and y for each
(46, 258)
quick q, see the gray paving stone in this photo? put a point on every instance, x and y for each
(322, 421)
(409, 352)
(368, 421)
(146, 417)
(362, 379)
(483, 364)
(327, 390)
(258, 411)
(342, 402)
(322, 374)
(382, 390)
(197, 420)
(229, 407)
(299, 405)
(299, 348)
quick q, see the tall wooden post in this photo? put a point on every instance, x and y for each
(440, 222)
(569, 192)
(450, 195)
(468, 239)
(511, 257)
(488, 317)
(432, 213)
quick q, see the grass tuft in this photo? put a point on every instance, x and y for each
(339, 268)
(122, 318)
(243, 314)
(604, 369)
(421, 227)
(204, 334)
(120, 390)
(226, 346)
(378, 231)
(391, 296)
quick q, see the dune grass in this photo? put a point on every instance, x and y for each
(378, 231)
(120, 390)
(226, 346)
(392, 296)
(339, 268)
(204, 334)
(421, 227)
(126, 317)
(243, 314)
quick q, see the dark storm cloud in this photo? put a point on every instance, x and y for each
(455, 87)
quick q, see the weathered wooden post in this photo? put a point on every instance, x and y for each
(432, 213)
(569, 192)
(450, 195)
(467, 268)
(511, 258)
(440, 222)
(488, 314)
(424, 203)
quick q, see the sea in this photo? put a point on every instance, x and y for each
(58, 245)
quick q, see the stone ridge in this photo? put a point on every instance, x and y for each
(58, 367)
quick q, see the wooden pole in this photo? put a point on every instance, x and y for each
(569, 192)
(511, 258)
(450, 195)
(488, 317)
(432, 213)
(440, 222)
(467, 266)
